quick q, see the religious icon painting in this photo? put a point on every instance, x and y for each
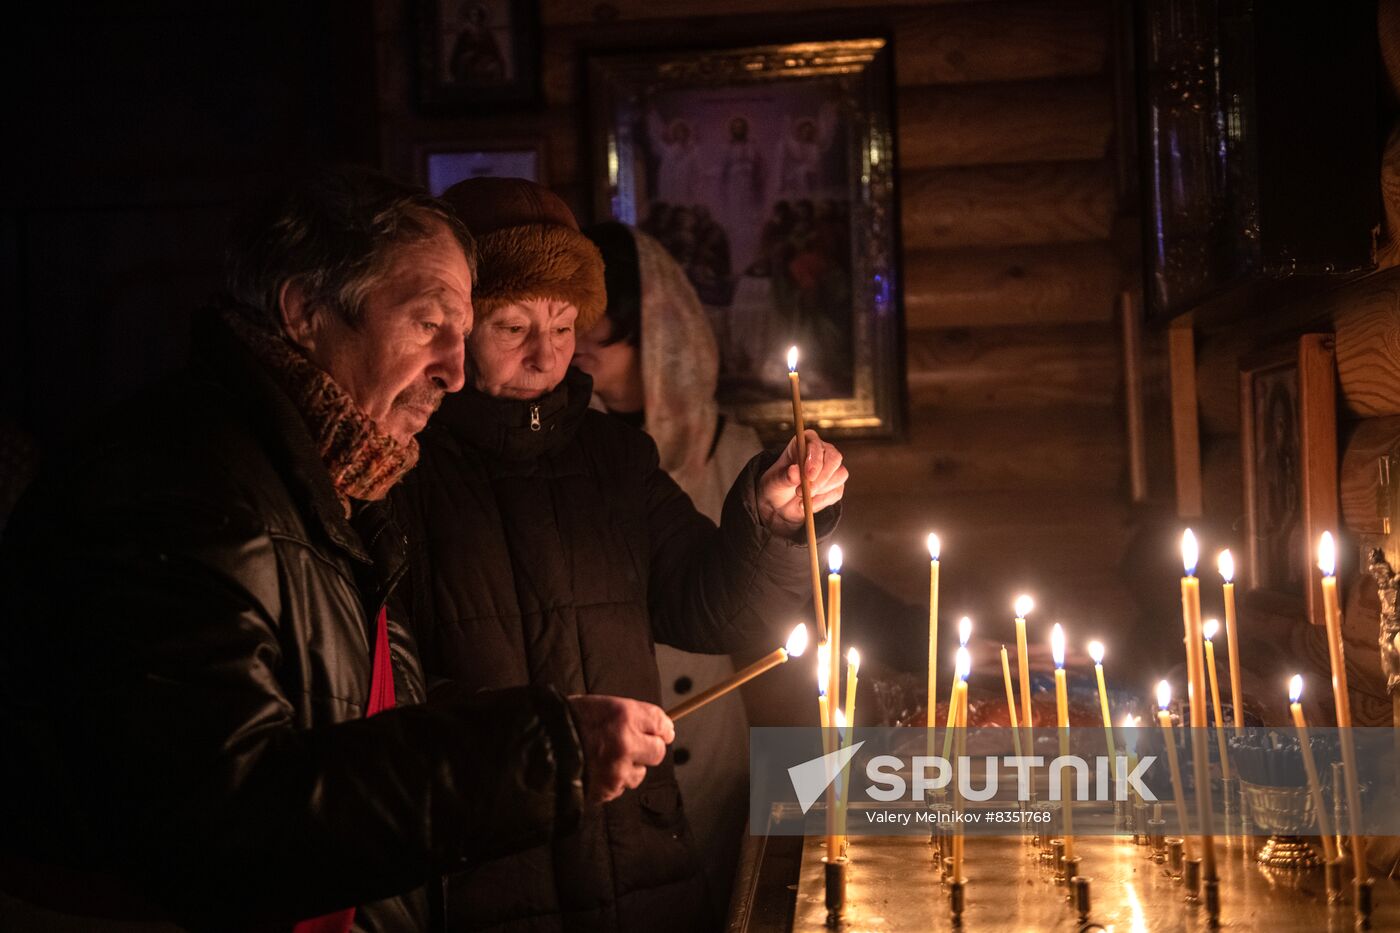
(442, 165)
(1288, 433)
(476, 53)
(768, 173)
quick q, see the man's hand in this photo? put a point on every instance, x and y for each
(779, 490)
(620, 738)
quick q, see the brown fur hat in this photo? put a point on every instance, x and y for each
(529, 246)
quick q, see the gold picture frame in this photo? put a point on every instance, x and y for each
(1288, 449)
(768, 173)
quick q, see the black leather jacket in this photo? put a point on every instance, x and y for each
(186, 657)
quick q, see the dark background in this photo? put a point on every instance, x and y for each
(136, 131)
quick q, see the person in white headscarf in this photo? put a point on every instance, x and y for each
(655, 363)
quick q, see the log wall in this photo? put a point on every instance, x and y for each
(1006, 132)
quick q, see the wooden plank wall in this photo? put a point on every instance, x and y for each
(1015, 449)
(1365, 316)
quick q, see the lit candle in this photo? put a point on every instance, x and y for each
(1295, 692)
(844, 734)
(1164, 718)
(796, 644)
(800, 430)
(1057, 651)
(964, 668)
(1327, 563)
(1096, 652)
(852, 668)
(935, 547)
(1196, 696)
(1225, 563)
(846, 722)
(1010, 700)
(833, 622)
(1208, 630)
(1024, 605)
(964, 633)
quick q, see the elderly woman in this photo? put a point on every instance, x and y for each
(554, 550)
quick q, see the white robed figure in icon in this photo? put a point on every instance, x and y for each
(804, 145)
(741, 194)
(678, 171)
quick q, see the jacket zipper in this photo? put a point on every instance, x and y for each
(534, 417)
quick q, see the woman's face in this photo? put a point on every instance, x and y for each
(522, 350)
(616, 368)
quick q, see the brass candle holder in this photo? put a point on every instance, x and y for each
(1213, 902)
(1082, 900)
(835, 875)
(1363, 891)
(1176, 857)
(947, 869)
(1072, 872)
(1157, 835)
(1192, 877)
(957, 899)
(1140, 824)
(1332, 876)
(1057, 858)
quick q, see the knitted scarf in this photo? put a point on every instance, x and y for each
(363, 461)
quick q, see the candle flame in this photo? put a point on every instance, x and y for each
(1327, 555)
(963, 667)
(1096, 651)
(833, 559)
(840, 718)
(1024, 605)
(1225, 563)
(1209, 628)
(823, 667)
(853, 660)
(1295, 688)
(797, 641)
(935, 546)
(1057, 645)
(792, 359)
(1129, 721)
(1164, 694)
(1190, 552)
(964, 630)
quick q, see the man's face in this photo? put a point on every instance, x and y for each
(407, 352)
(522, 350)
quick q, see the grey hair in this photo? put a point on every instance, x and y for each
(333, 233)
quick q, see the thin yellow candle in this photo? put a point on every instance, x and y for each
(1208, 630)
(833, 622)
(964, 633)
(800, 431)
(1057, 651)
(1327, 563)
(823, 683)
(852, 669)
(964, 668)
(1295, 693)
(796, 644)
(1024, 605)
(1130, 722)
(1191, 613)
(844, 733)
(1010, 700)
(1225, 563)
(935, 547)
(1096, 652)
(1164, 719)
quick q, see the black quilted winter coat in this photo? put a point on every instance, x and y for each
(556, 552)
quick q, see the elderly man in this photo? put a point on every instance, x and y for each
(557, 552)
(210, 715)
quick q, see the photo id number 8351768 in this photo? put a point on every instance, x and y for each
(1017, 816)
